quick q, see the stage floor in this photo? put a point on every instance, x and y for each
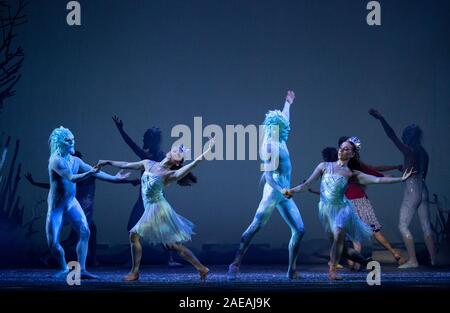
(253, 278)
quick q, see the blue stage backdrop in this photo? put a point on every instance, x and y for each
(161, 63)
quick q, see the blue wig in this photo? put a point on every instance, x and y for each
(56, 141)
(274, 119)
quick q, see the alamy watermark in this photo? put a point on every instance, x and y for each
(374, 276)
(233, 142)
(74, 275)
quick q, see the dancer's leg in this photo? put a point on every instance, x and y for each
(136, 252)
(92, 256)
(353, 255)
(53, 230)
(411, 200)
(424, 216)
(263, 213)
(336, 252)
(136, 256)
(78, 221)
(171, 261)
(187, 255)
(386, 244)
(291, 215)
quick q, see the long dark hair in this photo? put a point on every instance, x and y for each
(355, 162)
(187, 180)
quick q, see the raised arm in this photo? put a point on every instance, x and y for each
(390, 132)
(120, 177)
(134, 146)
(60, 167)
(182, 172)
(365, 179)
(317, 173)
(30, 179)
(287, 103)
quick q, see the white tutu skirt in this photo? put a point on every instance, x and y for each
(160, 224)
(342, 215)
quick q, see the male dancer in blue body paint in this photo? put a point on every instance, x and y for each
(65, 170)
(277, 181)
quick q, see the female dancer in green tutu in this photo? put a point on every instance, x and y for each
(336, 211)
(160, 224)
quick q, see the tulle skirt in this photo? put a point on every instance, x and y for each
(342, 215)
(160, 224)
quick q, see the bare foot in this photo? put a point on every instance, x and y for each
(293, 275)
(409, 264)
(86, 275)
(131, 276)
(203, 273)
(333, 275)
(233, 272)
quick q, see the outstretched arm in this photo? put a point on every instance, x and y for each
(30, 179)
(287, 103)
(314, 176)
(386, 168)
(63, 170)
(120, 177)
(182, 172)
(136, 149)
(390, 132)
(123, 165)
(365, 179)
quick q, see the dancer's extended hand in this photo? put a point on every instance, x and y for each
(290, 96)
(408, 174)
(287, 193)
(122, 175)
(375, 114)
(96, 169)
(117, 121)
